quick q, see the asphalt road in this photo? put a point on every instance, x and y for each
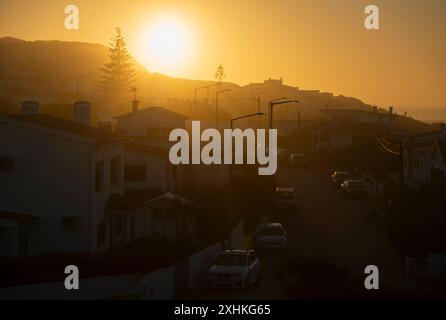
(326, 226)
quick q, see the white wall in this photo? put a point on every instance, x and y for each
(99, 200)
(156, 170)
(117, 286)
(159, 285)
(53, 177)
(49, 173)
(199, 265)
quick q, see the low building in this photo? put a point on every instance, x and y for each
(344, 128)
(173, 216)
(148, 167)
(56, 177)
(150, 122)
(424, 159)
(376, 115)
(344, 135)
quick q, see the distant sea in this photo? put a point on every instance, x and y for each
(425, 114)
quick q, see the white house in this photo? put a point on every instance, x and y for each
(56, 177)
(424, 159)
(150, 122)
(360, 116)
(148, 167)
(348, 127)
(330, 137)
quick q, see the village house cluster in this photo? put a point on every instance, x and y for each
(64, 183)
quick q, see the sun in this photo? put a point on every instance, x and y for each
(166, 46)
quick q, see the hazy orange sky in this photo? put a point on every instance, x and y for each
(313, 44)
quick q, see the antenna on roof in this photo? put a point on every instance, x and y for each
(135, 101)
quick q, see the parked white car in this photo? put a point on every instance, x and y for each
(271, 237)
(234, 269)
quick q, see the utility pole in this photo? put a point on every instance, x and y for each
(77, 86)
(135, 101)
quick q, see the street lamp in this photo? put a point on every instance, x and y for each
(216, 105)
(77, 85)
(230, 174)
(244, 117)
(274, 103)
(200, 88)
(252, 92)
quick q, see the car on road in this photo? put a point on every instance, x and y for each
(271, 237)
(299, 160)
(354, 189)
(338, 177)
(285, 198)
(234, 269)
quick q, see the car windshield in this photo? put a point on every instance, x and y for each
(284, 195)
(272, 231)
(356, 185)
(231, 259)
(342, 175)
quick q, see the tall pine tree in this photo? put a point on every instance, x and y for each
(118, 74)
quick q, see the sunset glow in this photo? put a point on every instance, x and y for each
(166, 46)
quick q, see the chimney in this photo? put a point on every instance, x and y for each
(391, 110)
(82, 112)
(30, 107)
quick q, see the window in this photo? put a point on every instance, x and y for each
(135, 173)
(101, 234)
(6, 164)
(72, 223)
(99, 176)
(115, 171)
(118, 224)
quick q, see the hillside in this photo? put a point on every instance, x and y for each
(47, 71)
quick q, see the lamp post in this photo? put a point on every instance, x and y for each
(195, 98)
(200, 88)
(216, 105)
(230, 174)
(244, 117)
(77, 85)
(252, 97)
(274, 103)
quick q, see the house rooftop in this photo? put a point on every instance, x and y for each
(170, 198)
(101, 136)
(348, 127)
(17, 219)
(156, 110)
(352, 111)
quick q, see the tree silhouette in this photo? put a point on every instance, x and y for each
(220, 73)
(118, 74)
